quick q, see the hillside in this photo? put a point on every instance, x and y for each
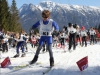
(61, 13)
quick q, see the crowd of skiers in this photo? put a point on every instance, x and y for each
(72, 34)
(75, 35)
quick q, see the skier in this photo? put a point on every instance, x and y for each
(62, 39)
(92, 35)
(78, 37)
(46, 28)
(33, 40)
(72, 36)
(20, 43)
(84, 36)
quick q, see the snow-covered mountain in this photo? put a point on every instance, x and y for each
(61, 13)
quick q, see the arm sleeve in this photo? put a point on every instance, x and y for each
(55, 25)
(36, 25)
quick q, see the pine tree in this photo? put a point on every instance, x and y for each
(4, 13)
(15, 24)
(0, 14)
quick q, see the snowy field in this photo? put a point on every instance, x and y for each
(65, 62)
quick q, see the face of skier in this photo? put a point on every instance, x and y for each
(45, 15)
(91, 28)
(83, 28)
(45, 19)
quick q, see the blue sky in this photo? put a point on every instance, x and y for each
(72, 2)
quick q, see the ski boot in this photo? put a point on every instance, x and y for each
(34, 60)
(17, 55)
(23, 55)
(51, 62)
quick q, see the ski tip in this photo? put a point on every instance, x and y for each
(47, 71)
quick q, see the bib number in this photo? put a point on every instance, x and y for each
(45, 33)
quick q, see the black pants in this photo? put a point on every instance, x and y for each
(84, 41)
(78, 39)
(5, 47)
(62, 41)
(72, 41)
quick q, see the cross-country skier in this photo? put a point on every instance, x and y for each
(46, 28)
(84, 36)
(72, 36)
(20, 44)
(92, 35)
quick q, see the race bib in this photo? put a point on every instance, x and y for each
(45, 33)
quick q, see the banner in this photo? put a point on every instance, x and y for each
(83, 63)
(6, 62)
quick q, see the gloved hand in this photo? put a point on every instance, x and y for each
(31, 30)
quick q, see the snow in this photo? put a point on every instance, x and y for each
(65, 62)
(53, 6)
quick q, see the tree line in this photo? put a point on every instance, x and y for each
(9, 16)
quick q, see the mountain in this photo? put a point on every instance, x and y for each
(61, 13)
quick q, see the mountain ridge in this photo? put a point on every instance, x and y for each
(61, 13)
